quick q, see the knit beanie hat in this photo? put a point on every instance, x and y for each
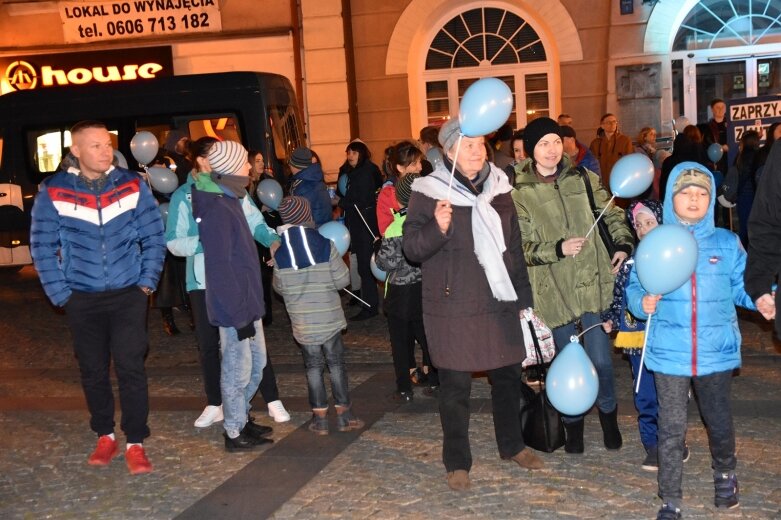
(295, 211)
(404, 188)
(536, 130)
(227, 157)
(692, 177)
(448, 134)
(301, 158)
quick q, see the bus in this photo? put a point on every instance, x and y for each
(257, 109)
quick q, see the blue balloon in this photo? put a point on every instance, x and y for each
(341, 185)
(715, 152)
(572, 382)
(376, 271)
(486, 105)
(162, 179)
(337, 233)
(270, 193)
(666, 258)
(144, 147)
(632, 175)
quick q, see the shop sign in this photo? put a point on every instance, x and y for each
(84, 22)
(81, 68)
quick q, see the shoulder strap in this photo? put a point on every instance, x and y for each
(587, 182)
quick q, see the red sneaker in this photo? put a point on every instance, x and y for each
(136, 460)
(106, 450)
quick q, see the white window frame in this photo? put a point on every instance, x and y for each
(518, 70)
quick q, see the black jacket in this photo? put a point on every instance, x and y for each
(764, 231)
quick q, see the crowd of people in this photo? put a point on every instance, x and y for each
(468, 243)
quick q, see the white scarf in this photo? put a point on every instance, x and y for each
(486, 224)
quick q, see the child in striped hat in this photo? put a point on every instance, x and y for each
(308, 273)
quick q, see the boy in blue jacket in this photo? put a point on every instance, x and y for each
(694, 339)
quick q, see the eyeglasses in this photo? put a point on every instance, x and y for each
(610, 122)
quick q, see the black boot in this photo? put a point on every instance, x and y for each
(574, 442)
(169, 326)
(612, 436)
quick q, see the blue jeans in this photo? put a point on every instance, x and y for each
(713, 399)
(645, 402)
(330, 353)
(597, 346)
(242, 369)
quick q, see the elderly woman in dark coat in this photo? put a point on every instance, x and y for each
(468, 243)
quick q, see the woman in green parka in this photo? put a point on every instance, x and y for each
(571, 276)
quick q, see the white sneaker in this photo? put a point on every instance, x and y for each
(277, 412)
(211, 414)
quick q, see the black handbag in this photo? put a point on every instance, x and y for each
(540, 422)
(604, 232)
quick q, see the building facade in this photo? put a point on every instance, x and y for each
(381, 69)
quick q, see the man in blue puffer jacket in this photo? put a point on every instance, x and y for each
(97, 243)
(694, 339)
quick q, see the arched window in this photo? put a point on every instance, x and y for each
(729, 23)
(481, 42)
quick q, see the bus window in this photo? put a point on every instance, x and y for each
(284, 128)
(49, 146)
(48, 150)
(224, 128)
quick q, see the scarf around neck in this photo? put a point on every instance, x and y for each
(487, 231)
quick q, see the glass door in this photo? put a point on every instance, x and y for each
(723, 79)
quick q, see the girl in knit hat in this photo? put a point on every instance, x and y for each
(643, 216)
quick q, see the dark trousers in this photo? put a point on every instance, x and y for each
(713, 399)
(454, 390)
(361, 245)
(208, 337)
(403, 333)
(266, 275)
(105, 326)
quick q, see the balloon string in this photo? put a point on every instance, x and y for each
(146, 177)
(453, 169)
(600, 215)
(642, 354)
(364, 221)
(354, 296)
(588, 329)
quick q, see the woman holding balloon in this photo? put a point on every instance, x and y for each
(360, 206)
(572, 274)
(693, 338)
(462, 229)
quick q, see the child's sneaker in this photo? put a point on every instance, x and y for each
(319, 425)
(726, 485)
(668, 512)
(346, 421)
(651, 461)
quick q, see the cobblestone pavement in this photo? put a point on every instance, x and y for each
(392, 470)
